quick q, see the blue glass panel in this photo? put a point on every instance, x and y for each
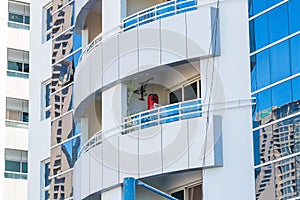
(256, 6)
(256, 147)
(295, 53)
(263, 108)
(76, 58)
(76, 148)
(194, 108)
(261, 74)
(280, 61)
(294, 15)
(278, 23)
(130, 22)
(47, 174)
(165, 10)
(143, 17)
(281, 94)
(147, 117)
(259, 32)
(296, 89)
(67, 154)
(273, 2)
(77, 41)
(265, 177)
(185, 4)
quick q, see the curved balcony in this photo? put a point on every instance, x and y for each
(167, 33)
(173, 135)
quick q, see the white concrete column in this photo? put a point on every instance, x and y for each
(113, 11)
(114, 106)
(85, 38)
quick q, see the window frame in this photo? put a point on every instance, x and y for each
(23, 62)
(44, 187)
(20, 174)
(46, 31)
(19, 25)
(45, 108)
(181, 86)
(185, 189)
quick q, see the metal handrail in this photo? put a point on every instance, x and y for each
(97, 138)
(141, 20)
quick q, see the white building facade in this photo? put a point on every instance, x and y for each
(154, 90)
(14, 98)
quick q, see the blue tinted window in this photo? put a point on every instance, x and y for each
(256, 6)
(281, 94)
(261, 74)
(294, 15)
(256, 145)
(296, 88)
(259, 32)
(263, 105)
(272, 2)
(278, 23)
(295, 53)
(279, 61)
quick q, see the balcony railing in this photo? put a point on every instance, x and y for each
(163, 115)
(148, 15)
(92, 142)
(160, 11)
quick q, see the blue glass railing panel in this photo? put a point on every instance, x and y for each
(186, 6)
(191, 109)
(168, 112)
(165, 10)
(148, 117)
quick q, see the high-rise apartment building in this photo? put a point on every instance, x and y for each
(162, 92)
(14, 98)
(275, 83)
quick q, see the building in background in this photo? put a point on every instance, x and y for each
(14, 99)
(275, 83)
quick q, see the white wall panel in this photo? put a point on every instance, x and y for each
(86, 77)
(175, 146)
(149, 45)
(128, 53)
(173, 39)
(85, 176)
(16, 138)
(150, 151)
(110, 161)
(129, 155)
(96, 68)
(96, 169)
(110, 60)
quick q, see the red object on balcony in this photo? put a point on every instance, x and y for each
(152, 100)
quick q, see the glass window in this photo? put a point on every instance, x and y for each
(18, 15)
(195, 193)
(190, 91)
(16, 164)
(256, 6)
(294, 15)
(46, 179)
(259, 32)
(17, 111)
(265, 187)
(280, 61)
(179, 195)
(285, 184)
(281, 94)
(46, 107)
(17, 63)
(296, 89)
(176, 96)
(47, 21)
(260, 70)
(278, 23)
(295, 53)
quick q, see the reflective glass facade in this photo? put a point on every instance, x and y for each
(275, 83)
(65, 140)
